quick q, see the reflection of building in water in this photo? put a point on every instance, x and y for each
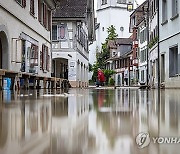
(143, 112)
(123, 100)
(112, 125)
(169, 121)
(133, 111)
(24, 129)
(70, 123)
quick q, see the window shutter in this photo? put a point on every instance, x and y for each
(32, 7)
(42, 55)
(44, 14)
(39, 10)
(49, 20)
(46, 58)
(48, 62)
(45, 20)
(40, 59)
(24, 3)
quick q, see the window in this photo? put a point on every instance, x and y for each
(22, 3)
(121, 1)
(164, 10)
(59, 32)
(142, 75)
(173, 61)
(116, 64)
(114, 53)
(45, 58)
(143, 36)
(174, 7)
(54, 32)
(104, 2)
(32, 7)
(82, 37)
(33, 58)
(143, 55)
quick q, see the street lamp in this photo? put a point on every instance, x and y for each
(130, 7)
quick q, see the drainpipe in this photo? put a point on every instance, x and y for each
(158, 47)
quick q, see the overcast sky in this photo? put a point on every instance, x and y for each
(140, 1)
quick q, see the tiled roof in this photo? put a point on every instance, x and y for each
(119, 41)
(71, 9)
(123, 41)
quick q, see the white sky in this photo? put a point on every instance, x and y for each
(140, 1)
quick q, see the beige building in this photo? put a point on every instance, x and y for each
(25, 43)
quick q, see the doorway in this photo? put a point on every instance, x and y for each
(4, 57)
(162, 68)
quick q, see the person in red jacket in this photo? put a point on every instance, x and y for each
(101, 77)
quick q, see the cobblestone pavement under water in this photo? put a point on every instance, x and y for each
(88, 121)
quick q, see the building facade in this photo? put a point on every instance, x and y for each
(71, 34)
(153, 45)
(121, 60)
(25, 43)
(169, 43)
(139, 35)
(110, 12)
(143, 51)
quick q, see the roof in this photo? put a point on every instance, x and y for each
(119, 41)
(138, 14)
(113, 44)
(71, 9)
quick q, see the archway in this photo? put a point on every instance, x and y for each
(3, 50)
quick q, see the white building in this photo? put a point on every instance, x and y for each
(153, 49)
(142, 53)
(72, 30)
(169, 42)
(110, 12)
(25, 44)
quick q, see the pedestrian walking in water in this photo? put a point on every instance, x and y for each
(101, 77)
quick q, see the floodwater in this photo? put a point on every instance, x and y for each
(89, 121)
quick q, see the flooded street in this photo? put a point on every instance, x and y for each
(88, 121)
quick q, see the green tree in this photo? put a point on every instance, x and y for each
(104, 54)
(112, 35)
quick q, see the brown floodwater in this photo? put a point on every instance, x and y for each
(89, 121)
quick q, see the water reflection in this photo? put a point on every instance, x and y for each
(82, 121)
